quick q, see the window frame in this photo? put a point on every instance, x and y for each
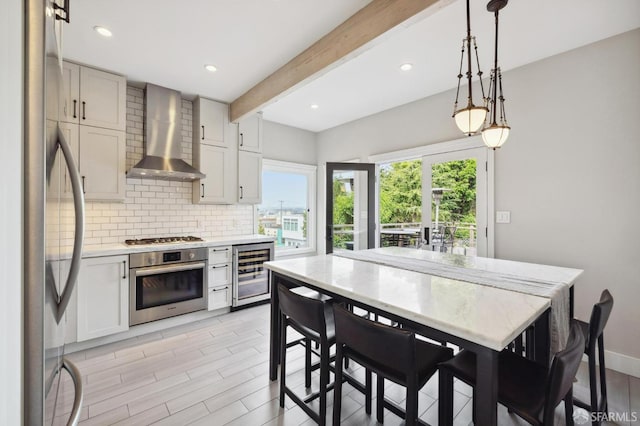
(310, 171)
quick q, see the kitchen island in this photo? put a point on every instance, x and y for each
(481, 318)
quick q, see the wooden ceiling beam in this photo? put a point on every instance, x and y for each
(361, 31)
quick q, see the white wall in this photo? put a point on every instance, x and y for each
(569, 172)
(285, 143)
(11, 213)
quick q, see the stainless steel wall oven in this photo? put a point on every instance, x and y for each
(163, 284)
(250, 277)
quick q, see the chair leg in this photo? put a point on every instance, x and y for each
(324, 382)
(367, 391)
(307, 363)
(593, 384)
(411, 409)
(603, 375)
(380, 400)
(568, 407)
(337, 389)
(283, 357)
(445, 397)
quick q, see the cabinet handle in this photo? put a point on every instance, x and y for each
(124, 269)
(64, 9)
(84, 110)
(202, 196)
(241, 139)
(224, 249)
(218, 267)
(220, 289)
(75, 103)
(83, 190)
(202, 132)
(241, 192)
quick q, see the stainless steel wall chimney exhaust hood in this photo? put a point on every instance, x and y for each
(163, 138)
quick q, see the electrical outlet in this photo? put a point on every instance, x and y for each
(503, 217)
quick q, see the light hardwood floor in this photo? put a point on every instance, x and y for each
(215, 372)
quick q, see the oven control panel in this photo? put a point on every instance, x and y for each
(167, 257)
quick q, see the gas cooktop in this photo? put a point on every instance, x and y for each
(162, 240)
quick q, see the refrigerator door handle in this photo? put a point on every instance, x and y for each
(79, 392)
(78, 205)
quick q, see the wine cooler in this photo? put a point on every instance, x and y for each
(251, 278)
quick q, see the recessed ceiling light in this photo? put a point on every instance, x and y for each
(314, 106)
(211, 68)
(105, 32)
(406, 67)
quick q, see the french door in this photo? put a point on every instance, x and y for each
(455, 209)
(350, 220)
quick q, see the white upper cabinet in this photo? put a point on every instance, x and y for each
(249, 177)
(101, 163)
(250, 133)
(218, 165)
(210, 122)
(93, 98)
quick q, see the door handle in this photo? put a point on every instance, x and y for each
(124, 269)
(202, 196)
(79, 391)
(75, 104)
(241, 192)
(241, 139)
(329, 233)
(84, 110)
(64, 9)
(77, 188)
(83, 190)
(202, 131)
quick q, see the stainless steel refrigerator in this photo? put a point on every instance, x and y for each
(53, 223)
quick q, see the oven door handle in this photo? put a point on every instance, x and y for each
(142, 272)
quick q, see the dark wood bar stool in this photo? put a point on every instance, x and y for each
(313, 319)
(594, 336)
(391, 353)
(524, 386)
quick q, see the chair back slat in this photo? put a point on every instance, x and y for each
(383, 344)
(307, 312)
(564, 368)
(600, 316)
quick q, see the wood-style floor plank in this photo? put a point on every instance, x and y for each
(215, 372)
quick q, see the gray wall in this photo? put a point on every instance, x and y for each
(11, 213)
(287, 143)
(569, 173)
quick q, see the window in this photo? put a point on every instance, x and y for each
(287, 212)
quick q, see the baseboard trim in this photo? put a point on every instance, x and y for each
(621, 363)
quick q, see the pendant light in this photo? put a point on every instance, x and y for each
(495, 134)
(470, 118)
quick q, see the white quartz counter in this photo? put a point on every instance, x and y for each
(122, 248)
(485, 315)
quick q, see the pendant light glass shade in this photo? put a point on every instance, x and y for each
(470, 119)
(494, 136)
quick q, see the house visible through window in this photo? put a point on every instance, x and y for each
(288, 204)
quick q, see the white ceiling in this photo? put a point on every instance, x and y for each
(249, 39)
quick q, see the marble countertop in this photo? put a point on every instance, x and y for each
(122, 248)
(485, 315)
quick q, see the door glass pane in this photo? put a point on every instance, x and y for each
(400, 208)
(453, 207)
(350, 214)
(283, 213)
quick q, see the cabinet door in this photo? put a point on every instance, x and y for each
(249, 177)
(212, 120)
(219, 275)
(102, 99)
(103, 297)
(250, 134)
(102, 163)
(217, 187)
(72, 134)
(70, 99)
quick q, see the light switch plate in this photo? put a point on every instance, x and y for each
(503, 217)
